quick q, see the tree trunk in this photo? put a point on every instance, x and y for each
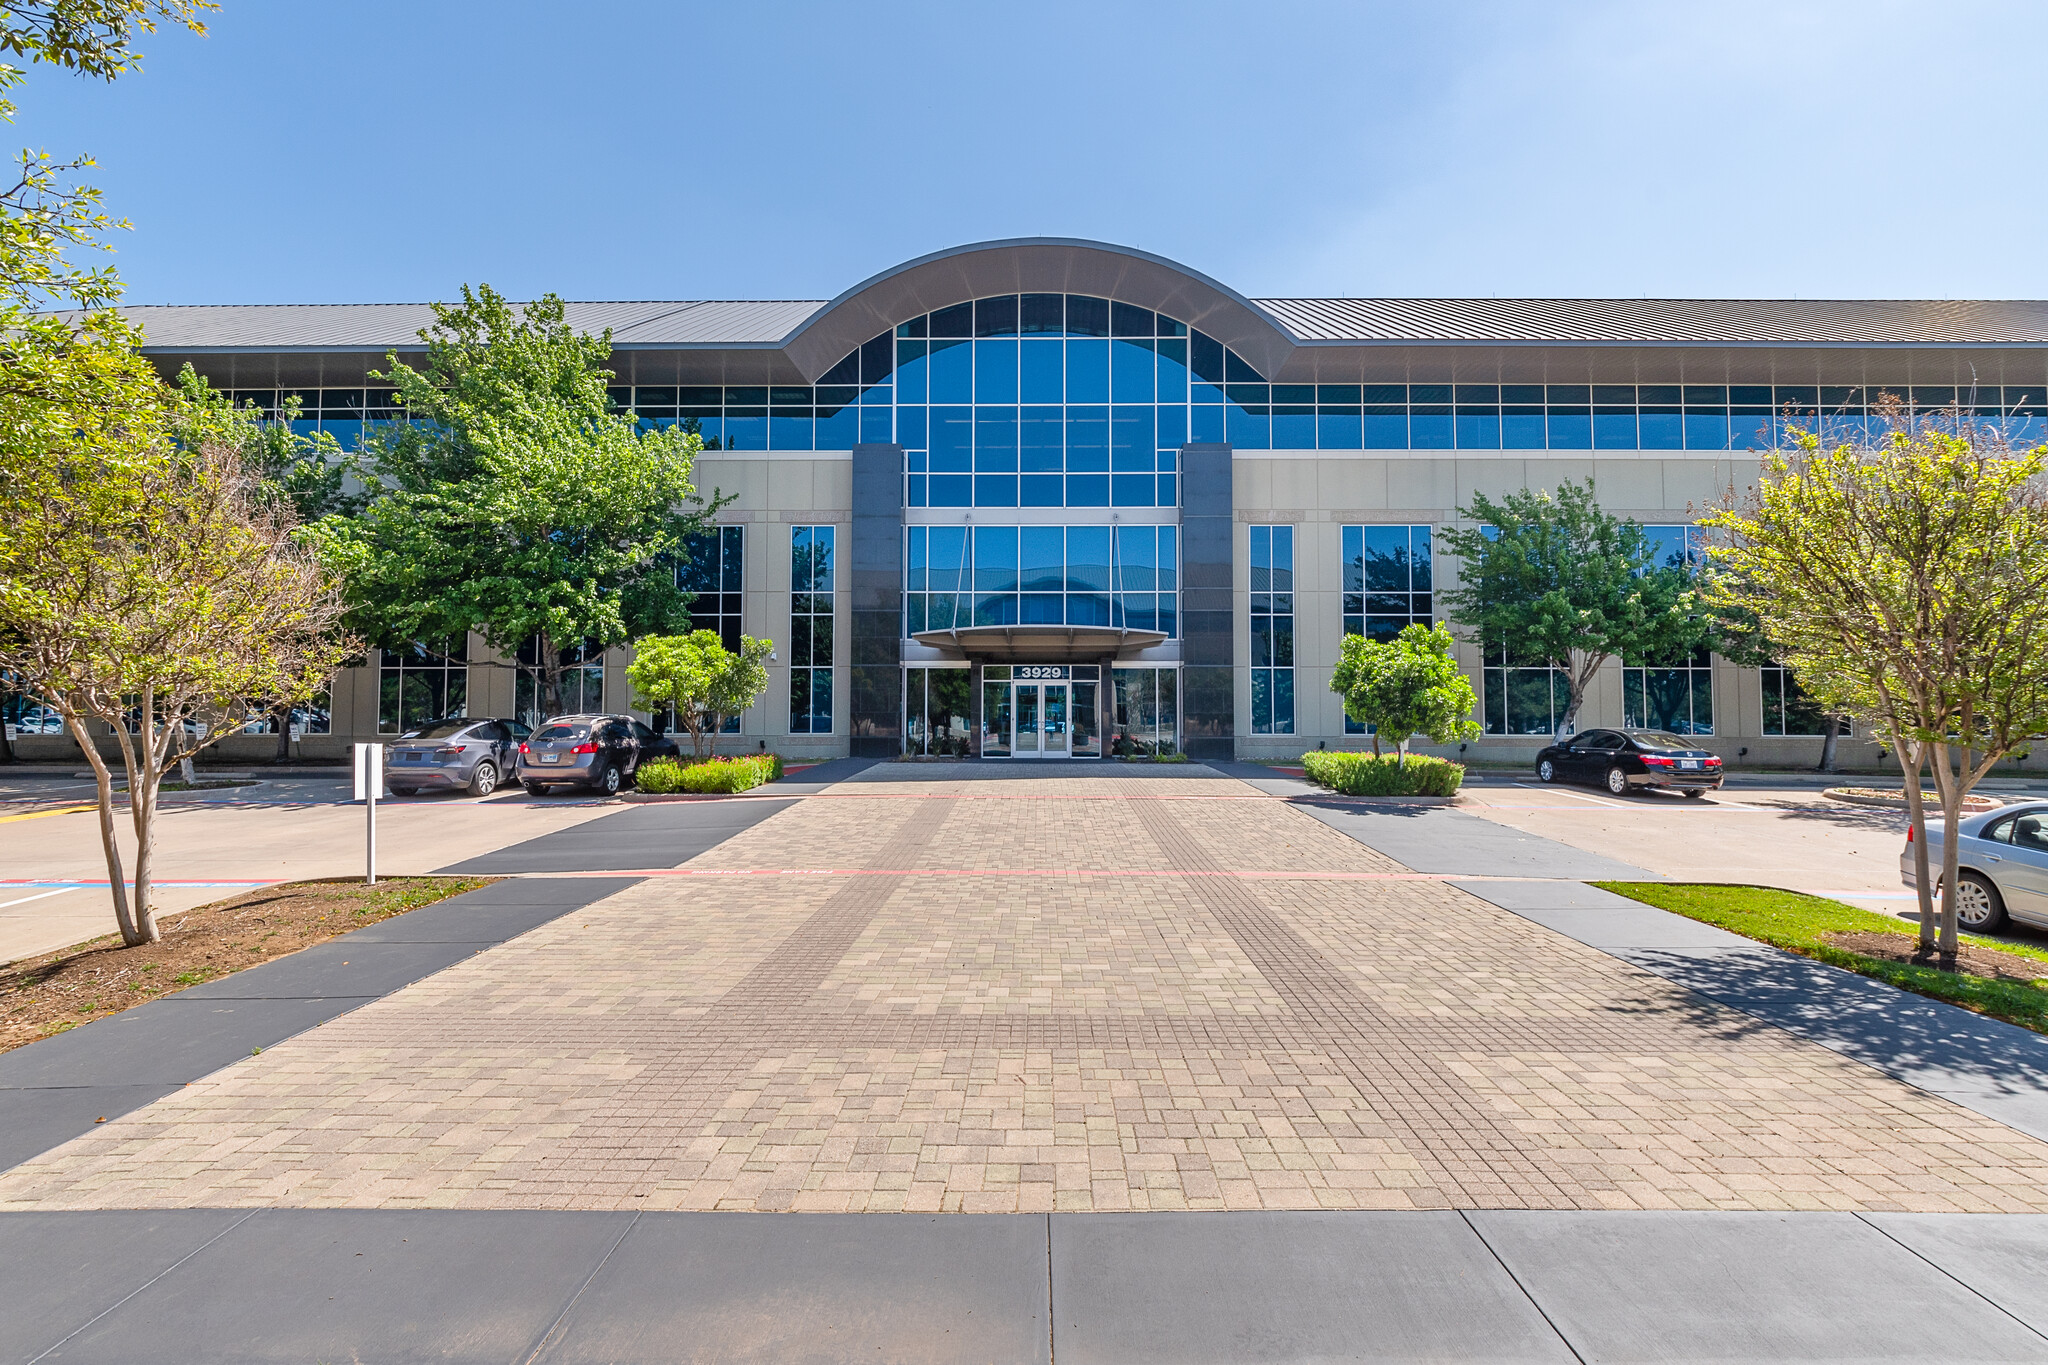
(1401, 754)
(142, 793)
(281, 716)
(1916, 812)
(550, 678)
(103, 780)
(1954, 786)
(1827, 744)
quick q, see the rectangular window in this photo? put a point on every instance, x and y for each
(1145, 712)
(422, 683)
(1523, 696)
(1787, 708)
(582, 682)
(1677, 697)
(1387, 584)
(1272, 629)
(712, 568)
(937, 712)
(810, 630)
(960, 576)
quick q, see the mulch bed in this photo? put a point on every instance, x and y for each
(1969, 959)
(40, 996)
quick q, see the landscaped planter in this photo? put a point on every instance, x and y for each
(1973, 804)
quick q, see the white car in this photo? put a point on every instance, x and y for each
(2002, 866)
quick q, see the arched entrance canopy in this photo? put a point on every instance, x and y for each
(1031, 265)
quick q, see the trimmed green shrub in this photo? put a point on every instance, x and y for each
(729, 774)
(659, 776)
(1376, 775)
(663, 776)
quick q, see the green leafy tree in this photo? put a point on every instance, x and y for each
(157, 590)
(51, 360)
(1554, 578)
(700, 678)
(515, 500)
(1738, 635)
(1407, 686)
(1906, 580)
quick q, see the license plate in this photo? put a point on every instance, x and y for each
(1688, 763)
(549, 758)
(415, 758)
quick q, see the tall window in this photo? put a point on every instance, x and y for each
(1787, 708)
(421, 683)
(712, 569)
(937, 711)
(1272, 565)
(810, 630)
(582, 681)
(1387, 585)
(1125, 576)
(1145, 707)
(1678, 697)
(1524, 695)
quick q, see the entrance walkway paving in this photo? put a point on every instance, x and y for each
(1124, 991)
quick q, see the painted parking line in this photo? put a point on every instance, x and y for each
(40, 895)
(45, 814)
(167, 883)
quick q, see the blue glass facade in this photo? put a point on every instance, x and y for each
(1116, 576)
(1002, 415)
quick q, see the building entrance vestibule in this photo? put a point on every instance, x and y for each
(1041, 711)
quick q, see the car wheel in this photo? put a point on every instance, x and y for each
(1546, 771)
(405, 791)
(1979, 907)
(484, 780)
(608, 780)
(535, 788)
(1695, 793)
(1617, 782)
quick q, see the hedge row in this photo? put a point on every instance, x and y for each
(1384, 775)
(661, 776)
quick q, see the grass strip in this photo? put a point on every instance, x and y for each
(1800, 924)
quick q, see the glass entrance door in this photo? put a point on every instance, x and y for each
(1042, 713)
(1057, 736)
(1026, 710)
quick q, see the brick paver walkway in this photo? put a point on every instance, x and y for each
(1065, 993)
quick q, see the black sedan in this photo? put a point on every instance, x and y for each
(598, 752)
(1624, 760)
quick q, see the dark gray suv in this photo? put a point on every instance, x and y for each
(600, 753)
(465, 753)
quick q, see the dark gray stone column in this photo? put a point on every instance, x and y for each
(876, 564)
(1208, 717)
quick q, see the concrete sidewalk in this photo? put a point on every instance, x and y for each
(1178, 1289)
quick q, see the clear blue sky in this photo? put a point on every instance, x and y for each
(368, 150)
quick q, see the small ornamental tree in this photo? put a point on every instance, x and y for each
(1407, 686)
(1906, 580)
(698, 676)
(1557, 579)
(160, 592)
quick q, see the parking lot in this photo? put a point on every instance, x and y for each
(53, 875)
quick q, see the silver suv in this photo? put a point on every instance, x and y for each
(460, 753)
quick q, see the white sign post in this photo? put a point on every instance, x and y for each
(370, 782)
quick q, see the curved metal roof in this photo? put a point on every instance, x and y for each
(811, 336)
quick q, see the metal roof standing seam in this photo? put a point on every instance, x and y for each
(713, 323)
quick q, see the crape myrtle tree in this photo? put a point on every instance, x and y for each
(700, 678)
(1738, 636)
(46, 213)
(309, 474)
(1906, 580)
(162, 593)
(515, 500)
(1556, 579)
(1407, 686)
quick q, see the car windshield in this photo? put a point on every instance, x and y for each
(440, 729)
(551, 734)
(1657, 739)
